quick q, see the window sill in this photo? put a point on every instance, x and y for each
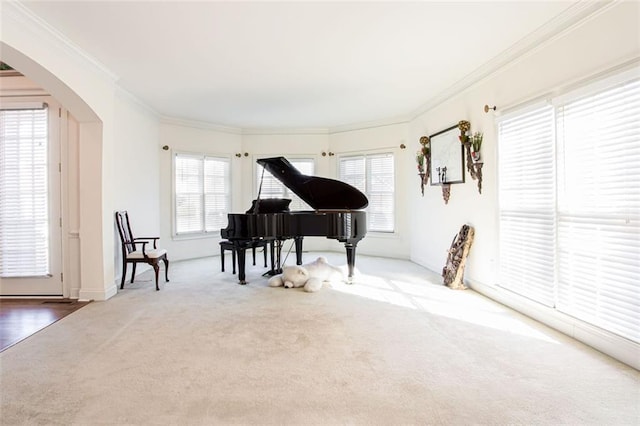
(383, 235)
(200, 236)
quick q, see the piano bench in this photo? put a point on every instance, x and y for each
(228, 245)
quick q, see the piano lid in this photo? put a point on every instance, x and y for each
(320, 193)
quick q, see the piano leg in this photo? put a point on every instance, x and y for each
(298, 241)
(242, 252)
(273, 260)
(351, 260)
(276, 248)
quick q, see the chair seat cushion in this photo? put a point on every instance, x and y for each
(153, 254)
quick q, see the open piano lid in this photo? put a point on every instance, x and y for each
(320, 193)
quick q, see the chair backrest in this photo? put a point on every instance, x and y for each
(124, 229)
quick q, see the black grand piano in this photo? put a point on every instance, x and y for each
(336, 216)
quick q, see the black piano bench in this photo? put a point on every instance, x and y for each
(228, 245)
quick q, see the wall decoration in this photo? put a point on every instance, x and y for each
(423, 160)
(472, 146)
(447, 160)
(453, 271)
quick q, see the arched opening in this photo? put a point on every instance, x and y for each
(83, 224)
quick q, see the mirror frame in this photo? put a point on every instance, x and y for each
(442, 138)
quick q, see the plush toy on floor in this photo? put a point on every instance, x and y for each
(310, 276)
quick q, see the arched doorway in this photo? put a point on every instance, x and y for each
(80, 219)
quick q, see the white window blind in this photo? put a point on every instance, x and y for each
(24, 203)
(217, 200)
(374, 175)
(273, 188)
(527, 204)
(202, 193)
(599, 209)
(570, 222)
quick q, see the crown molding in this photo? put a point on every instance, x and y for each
(370, 124)
(572, 16)
(183, 122)
(124, 93)
(29, 21)
(284, 131)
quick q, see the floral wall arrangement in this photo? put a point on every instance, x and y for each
(423, 160)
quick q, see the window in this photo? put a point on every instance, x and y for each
(527, 204)
(202, 193)
(570, 205)
(273, 188)
(373, 175)
(24, 204)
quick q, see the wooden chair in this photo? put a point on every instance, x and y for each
(135, 250)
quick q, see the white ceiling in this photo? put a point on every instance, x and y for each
(297, 64)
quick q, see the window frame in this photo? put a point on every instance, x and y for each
(203, 233)
(569, 98)
(367, 156)
(40, 249)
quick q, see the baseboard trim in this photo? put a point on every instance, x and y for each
(615, 346)
(97, 295)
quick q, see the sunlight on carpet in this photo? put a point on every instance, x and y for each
(437, 300)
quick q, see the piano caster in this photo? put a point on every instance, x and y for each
(242, 282)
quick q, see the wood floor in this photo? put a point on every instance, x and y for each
(20, 318)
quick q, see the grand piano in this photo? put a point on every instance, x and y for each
(337, 215)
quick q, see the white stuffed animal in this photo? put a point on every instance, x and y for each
(311, 275)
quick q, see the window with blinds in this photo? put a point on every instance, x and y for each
(374, 175)
(599, 208)
(527, 204)
(202, 193)
(273, 188)
(592, 236)
(24, 203)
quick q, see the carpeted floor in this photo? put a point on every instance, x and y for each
(394, 348)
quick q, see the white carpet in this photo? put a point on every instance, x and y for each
(396, 347)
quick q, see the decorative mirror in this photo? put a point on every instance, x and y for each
(447, 157)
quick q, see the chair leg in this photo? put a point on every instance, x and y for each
(156, 269)
(222, 258)
(166, 268)
(124, 274)
(133, 273)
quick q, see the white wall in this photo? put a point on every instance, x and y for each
(90, 94)
(603, 44)
(188, 137)
(136, 184)
(578, 53)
